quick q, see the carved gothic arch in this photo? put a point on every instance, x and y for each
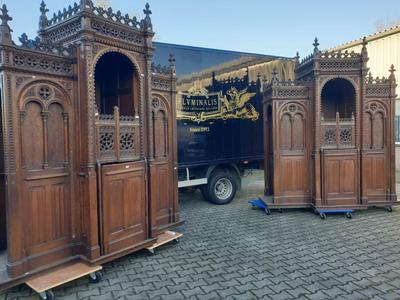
(325, 79)
(161, 126)
(291, 109)
(34, 86)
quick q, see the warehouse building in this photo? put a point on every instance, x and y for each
(383, 51)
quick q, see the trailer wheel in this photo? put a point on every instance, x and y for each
(221, 188)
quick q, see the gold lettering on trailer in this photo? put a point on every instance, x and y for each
(199, 106)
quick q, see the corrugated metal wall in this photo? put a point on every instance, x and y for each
(383, 51)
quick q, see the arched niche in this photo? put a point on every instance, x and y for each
(160, 126)
(338, 96)
(116, 84)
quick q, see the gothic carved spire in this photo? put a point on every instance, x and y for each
(5, 30)
(364, 51)
(297, 58)
(147, 20)
(171, 61)
(316, 44)
(5, 16)
(43, 21)
(392, 77)
(86, 4)
(369, 78)
(274, 79)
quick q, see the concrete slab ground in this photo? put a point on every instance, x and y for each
(235, 252)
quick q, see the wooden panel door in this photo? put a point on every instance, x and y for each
(46, 176)
(123, 206)
(294, 179)
(161, 195)
(163, 181)
(340, 178)
(374, 175)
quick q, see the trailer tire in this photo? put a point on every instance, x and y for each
(221, 188)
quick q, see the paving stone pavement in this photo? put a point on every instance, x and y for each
(235, 252)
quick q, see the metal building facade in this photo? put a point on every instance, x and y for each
(383, 51)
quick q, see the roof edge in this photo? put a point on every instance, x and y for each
(217, 50)
(369, 38)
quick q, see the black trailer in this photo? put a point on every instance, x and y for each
(219, 115)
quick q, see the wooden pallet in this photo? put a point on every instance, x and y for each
(165, 238)
(43, 283)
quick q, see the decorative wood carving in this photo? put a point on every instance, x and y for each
(82, 183)
(336, 149)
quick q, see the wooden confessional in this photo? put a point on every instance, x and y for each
(88, 156)
(329, 135)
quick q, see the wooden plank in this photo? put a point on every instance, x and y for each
(59, 276)
(164, 238)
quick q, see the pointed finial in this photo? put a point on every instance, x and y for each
(316, 44)
(147, 10)
(5, 30)
(147, 20)
(297, 58)
(172, 64)
(274, 79)
(364, 51)
(392, 70)
(86, 4)
(23, 39)
(5, 16)
(171, 60)
(43, 21)
(369, 78)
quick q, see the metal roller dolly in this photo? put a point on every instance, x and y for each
(323, 212)
(258, 203)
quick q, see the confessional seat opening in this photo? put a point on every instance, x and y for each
(116, 85)
(338, 96)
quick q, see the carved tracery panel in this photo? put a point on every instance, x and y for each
(292, 127)
(374, 125)
(44, 128)
(160, 128)
(32, 134)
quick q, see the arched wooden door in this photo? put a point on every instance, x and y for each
(46, 173)
(162, 183)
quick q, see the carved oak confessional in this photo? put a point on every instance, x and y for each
(329, 135)
(88, 133)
